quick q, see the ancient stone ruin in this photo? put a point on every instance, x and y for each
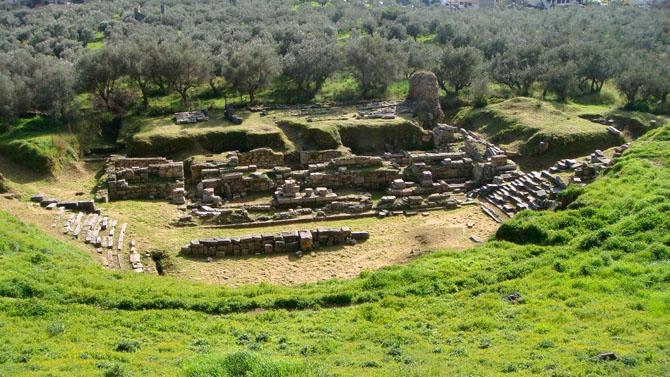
(293, 241)
(144, 178)
(191, 117)
(424, 98)
(88, 225)
(304, 186)
(516, 191)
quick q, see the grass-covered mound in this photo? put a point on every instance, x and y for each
(520, 124)
(636, 123)
(39, 143)
(359, 135)
(161, 136)
(593, 278)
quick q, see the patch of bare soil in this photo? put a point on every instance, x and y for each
(392, 241)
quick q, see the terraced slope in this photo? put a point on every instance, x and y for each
(546, 297)
(520, 124)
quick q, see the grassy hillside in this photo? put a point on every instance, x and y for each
(592, 279)
(280, 130)
(39, 143)
(520, 124)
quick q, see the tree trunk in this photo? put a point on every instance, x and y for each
(214, 88)
(251, 97)
(443, 86)
(145, 96)
(184, 97)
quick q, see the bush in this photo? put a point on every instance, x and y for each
(522, 233)
(115, 370)
(55, 329)
(128, 346)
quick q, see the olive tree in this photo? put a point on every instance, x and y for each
(139, 57)
(7, 106)
(518, 67)
(99, 71)
(185, 67)
(309, 63)
(457, 67)
(251, 68)
(372, 62)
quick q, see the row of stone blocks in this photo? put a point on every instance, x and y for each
(87, 206)
(289, 241)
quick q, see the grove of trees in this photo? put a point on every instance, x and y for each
(49, 55)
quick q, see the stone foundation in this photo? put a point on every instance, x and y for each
(143, 178)
(293, 241)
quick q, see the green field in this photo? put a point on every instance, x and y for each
(593, 278)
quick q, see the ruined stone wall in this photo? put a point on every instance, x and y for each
(208, 169)
(143, 178)
(368, 179)
(264, 158)
(315, 157)
(125, 162)
(237, 183)
(446, 169)
(289, 241)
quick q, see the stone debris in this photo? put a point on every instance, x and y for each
(613, 130)
(609, 356)
(122, 233)
(537, 190)
(191, 117)
(287, 241)
(229, 114)
(37, 198)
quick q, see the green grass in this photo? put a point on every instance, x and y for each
(521, 123)
(593, 278)
(146, 136)
(280, 130)
(98, 41)
(39, 143)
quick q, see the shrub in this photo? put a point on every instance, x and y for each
(569, 195)
(522, 233)
(659, 251)
(629, 360)
(55, 328)
(115, 370)
(546, 344)
(128, 346)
